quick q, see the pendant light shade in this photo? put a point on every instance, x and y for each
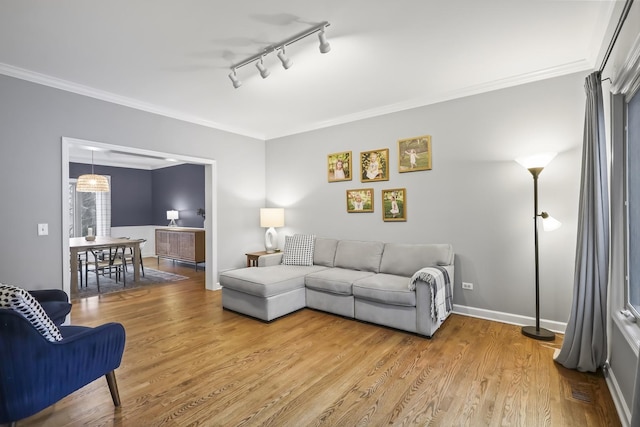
(92, 183)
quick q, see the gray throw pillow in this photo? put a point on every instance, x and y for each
(298, 249)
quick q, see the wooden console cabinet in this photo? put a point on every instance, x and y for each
(181, 244)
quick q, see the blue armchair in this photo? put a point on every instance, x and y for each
(36, 372)
(55, 303)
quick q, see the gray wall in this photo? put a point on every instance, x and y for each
(33, 118)
(476, 197)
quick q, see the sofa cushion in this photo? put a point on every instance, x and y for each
(385, 288)
(335, 280)
(24, 303)
(267, 281)
(298, 249)
(405, 259)
(358, 255)
(324, 251)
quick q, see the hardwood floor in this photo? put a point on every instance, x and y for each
(188, 362)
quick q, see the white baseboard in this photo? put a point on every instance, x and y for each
(512, 319)
(624, 413)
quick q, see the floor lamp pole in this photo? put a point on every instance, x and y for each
(530, 331)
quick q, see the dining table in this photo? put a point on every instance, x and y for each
(81, 244)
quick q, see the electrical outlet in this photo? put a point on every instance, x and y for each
(467, 285)
(43, 229)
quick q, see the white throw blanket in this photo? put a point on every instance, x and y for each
(441, 297)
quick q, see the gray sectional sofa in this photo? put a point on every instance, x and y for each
(403, 286)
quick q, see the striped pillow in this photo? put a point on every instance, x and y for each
(24, 303)
(298, 249)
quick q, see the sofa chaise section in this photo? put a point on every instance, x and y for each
(265, 292)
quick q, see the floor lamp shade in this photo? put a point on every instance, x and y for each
(535, 164)
(269, 219)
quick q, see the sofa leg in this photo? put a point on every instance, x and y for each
(113, 387)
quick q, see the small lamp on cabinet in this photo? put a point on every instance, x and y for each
(172, 215)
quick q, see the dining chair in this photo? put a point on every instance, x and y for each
(129, 256)
(113, 263)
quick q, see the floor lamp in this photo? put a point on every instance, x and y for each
(535, 164)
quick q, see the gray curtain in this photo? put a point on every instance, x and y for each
(585, 342)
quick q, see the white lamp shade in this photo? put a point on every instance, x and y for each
(172, 215)
(91, 183)
(550, 223)
(539, 160)
(271, 217)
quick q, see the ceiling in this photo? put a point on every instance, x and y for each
(173, 57)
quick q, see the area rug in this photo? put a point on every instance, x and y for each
(109, 285)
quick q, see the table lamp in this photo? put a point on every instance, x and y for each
(270, 218)
(172, 215)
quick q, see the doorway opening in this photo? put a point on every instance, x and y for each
(210, 221)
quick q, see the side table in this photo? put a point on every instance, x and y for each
(252, 258)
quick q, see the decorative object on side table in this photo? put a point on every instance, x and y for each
(535, 165)
(271, 218)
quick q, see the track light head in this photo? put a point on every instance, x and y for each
(264, 72)
(324, 44)
(286, 62)
(235, 80)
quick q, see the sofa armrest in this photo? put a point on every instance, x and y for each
(270, 259)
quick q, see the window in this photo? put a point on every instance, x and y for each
(632, 124)
(88, 210)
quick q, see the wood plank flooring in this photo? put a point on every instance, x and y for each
(188, 362)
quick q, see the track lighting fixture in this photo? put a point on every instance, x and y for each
(235, 80)
(286, 62)
(264, 72)
(324, 44)
(279, 48)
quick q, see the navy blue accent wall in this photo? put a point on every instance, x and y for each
(131, 193)
(143, 197)
(178, 188)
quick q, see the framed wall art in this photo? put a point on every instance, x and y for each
(360, 200)
(394, 204)
(339, 166)
(374, 165)
(414, 154)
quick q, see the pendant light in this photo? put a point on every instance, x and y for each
(92, 183)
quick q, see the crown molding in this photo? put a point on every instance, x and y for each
(561, 70)
(54, 82)
(572, 67)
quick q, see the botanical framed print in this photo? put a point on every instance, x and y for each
(394, 204)
(339, 166)
(374, 165)
(414, 154)
(360, 200)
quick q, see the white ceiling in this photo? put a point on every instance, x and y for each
(173, 57)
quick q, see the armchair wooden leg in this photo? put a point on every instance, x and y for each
(113, 387)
